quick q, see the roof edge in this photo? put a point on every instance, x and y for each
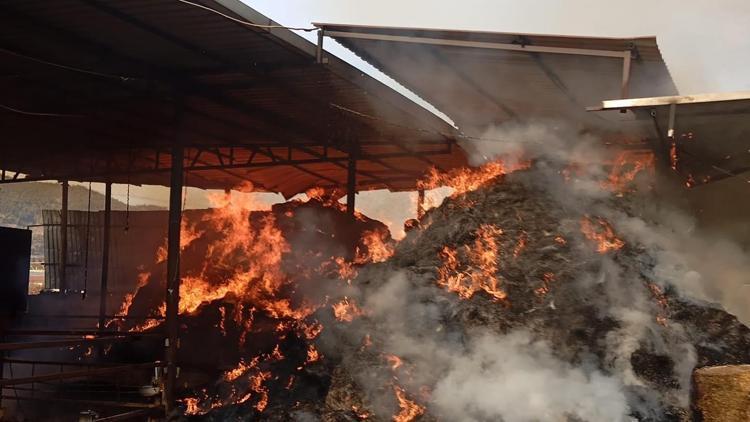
(714, 97)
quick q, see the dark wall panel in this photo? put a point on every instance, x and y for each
(15, 258)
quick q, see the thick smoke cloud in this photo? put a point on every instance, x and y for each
(515, 378)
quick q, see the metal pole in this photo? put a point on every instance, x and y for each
(626, 64)
(420, 203)
(351, 181)
(64, 238)
(105, 253)
(173, 273)
(671, 121)
(319, 49)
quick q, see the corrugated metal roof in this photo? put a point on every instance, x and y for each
(481, 79)
(121, 74)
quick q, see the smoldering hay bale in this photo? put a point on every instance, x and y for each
(723, 393)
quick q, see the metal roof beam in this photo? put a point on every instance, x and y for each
(480, 44)
(668, 100)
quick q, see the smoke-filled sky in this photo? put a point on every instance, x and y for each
(706, 44)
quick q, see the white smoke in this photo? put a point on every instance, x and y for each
(516, 379)
(486, 375)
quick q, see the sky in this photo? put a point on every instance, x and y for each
(706, 44)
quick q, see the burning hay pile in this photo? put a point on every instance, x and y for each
(509, 306)
(553, 292)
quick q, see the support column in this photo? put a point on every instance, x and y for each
(626, 64)
(105, 253)
(351, 182)
(420, 203)
(319, 48)
(63, 261)
(173, 274)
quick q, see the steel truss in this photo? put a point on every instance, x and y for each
(224, 157)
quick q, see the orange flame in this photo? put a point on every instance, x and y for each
(312, 355)
(410, 410)
(311, 330)
(345, 269)
(346, 310)
(394, 361)
(128, 300)
(468, 179)
(547, 280)
(601, 232)
(192, 405)
(240, 369)
(482, 274)
(377, 250)
(625, 167)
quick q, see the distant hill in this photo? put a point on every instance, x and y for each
(21, 205)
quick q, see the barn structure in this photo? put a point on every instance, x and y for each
(211, 94)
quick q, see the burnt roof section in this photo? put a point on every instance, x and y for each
(480, 79)
(100, 90)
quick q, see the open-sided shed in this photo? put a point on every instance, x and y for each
(102, 90)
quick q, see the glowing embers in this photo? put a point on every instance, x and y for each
(250, 379)
(673, 158)
(408, 409)
(599, 231)
(662, 302)
(547, 280)
(346, 310)
(192, 405)
(480, 272)
(625, 168)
